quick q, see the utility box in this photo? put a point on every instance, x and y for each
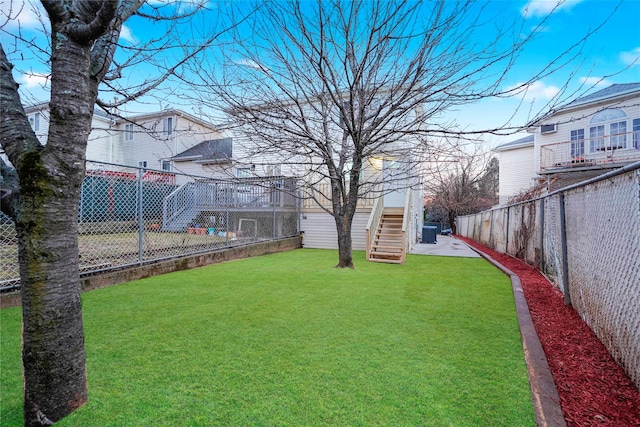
(429, 234)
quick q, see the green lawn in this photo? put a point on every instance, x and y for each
(286, 340)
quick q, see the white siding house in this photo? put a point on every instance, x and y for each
(152, 140)
(517, 171)
(584, 138)
(148, 140)
(598, 131)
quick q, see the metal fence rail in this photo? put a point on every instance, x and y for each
(132, 216)
(586, 239)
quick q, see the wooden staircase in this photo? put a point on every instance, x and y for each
(388, 242)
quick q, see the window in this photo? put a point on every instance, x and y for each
(142, 164)
(636, 134)
(577, 143)
(274, 170)
(167, 126)
(243, 173)
(166, 165)
(346, 107)
(618, 135)
(128, 132)
(596, 136)
(614, 121)
(34, 121)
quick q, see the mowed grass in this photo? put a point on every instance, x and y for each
(287, 340)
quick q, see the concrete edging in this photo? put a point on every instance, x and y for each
(546, 401)
(100, 280)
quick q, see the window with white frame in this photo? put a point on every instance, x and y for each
(243, 173)
(636, 134)
(611, 122)
(618, 135)
(128, 132)
(166, 165)
(167, 126)
(596, 138)
(274, 170)
(34, 121)
(577, 143)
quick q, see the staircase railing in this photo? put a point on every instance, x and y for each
(374, 220)
(407, 214)
(178, 201)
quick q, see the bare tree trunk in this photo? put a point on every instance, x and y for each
(47, 225)
(53, 340)
(452, 222)
(343, 227)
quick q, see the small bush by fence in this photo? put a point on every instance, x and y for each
(133, 216)
(586, 239)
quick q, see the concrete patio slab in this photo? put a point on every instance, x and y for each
(445, 246)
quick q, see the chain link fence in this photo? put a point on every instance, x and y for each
(586, 239)
(133, 216)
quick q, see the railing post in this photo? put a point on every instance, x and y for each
(541, 266)
(506, 247)
(140, 219)
(565, 256)
(273, 202)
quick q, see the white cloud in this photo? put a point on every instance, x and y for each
(598, 82)
(19, 13)
(33, 80)
(631, 57)
(535, 91)
(535, 8)
(127, 35)
(252, 64)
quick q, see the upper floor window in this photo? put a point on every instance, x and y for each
(618, 134)
(577, 143)
(167, 126)
(608, 130)
(596, 137)
(608, 115)
(344, 113)
(243, 173)
(35, 122)
(128, 132)
(166, 165)
(636, 133)
(274, 170)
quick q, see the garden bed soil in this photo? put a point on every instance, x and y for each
(593, 389)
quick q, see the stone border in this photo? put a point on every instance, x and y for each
(101, 280)
(546, 401)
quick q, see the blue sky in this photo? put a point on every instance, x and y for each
(611, 55)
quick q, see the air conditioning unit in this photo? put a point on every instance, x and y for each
(548, 128)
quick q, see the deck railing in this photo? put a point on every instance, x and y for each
(374, 220)
(321, 190)
(589, 152)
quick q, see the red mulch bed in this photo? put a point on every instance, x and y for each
(593, 389)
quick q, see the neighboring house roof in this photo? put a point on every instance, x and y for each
(210, 151)
(518, 143)
(44, 106)
(170, 112)
(612, 91)
(100, 113)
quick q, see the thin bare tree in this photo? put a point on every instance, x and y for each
(328, 86)
(41, 185)
(464, 182)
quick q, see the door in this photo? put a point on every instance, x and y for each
(395, 182)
